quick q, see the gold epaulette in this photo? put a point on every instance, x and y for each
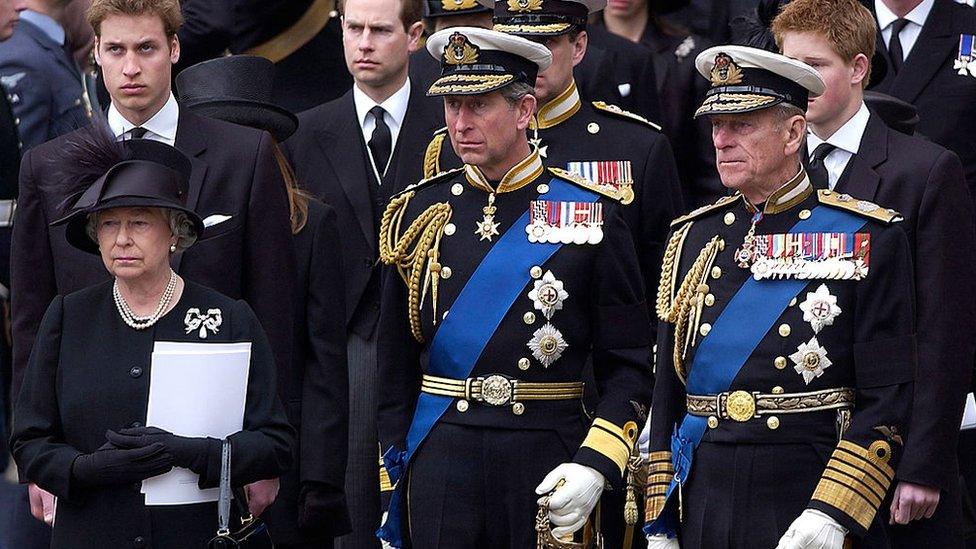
(659, 475)
(696, 213)
(856, 480)
(860, 207)
(624, 194)
(432, 156)
(424, 183)
(613, 109)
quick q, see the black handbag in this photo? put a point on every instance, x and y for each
(253, 532)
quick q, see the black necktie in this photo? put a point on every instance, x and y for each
(817, 169)
(894, 44)
(381, 140)
(137, 133)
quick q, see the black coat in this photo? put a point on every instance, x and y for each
(91, 373)
(316, 392)
(619, 72)
(329, 157)
(248, 256)
(9, 149)
(946, 100)
(925, 183)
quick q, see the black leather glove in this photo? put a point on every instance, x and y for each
(191, 453)
(110, 465)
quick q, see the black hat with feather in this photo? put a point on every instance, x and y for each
(98, 173)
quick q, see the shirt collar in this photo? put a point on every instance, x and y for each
(519, 176)
(918, 15)
(561, 108)
(847, 137)
(394, 105)
(163, 123)
(46, 23)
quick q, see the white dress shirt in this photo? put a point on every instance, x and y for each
(916, 18)
(847, 139)
(161, 127)
(396, 109)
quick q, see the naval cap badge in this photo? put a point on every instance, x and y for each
(725, 72)
(459, 51)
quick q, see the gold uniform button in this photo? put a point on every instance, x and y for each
(445, 272)
(784, 330)
(536, 271)
(704, 329)
(712, 422)
(523, 363)
(804, 214)
(462, 406)
(777, 390)
(716, 271)
(528, 317)
(449, 229)
(593, 128)
(518, 408)
(729, 218)
(772, 422)
(457, 189)
(780, 362)
(542, 188)
(709, 300)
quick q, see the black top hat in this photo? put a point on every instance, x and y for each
(444, 8)
(152, 175)
(236, 89)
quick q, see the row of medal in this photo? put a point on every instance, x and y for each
(565, 222)
(811, 255)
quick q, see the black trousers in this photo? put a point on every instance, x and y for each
(474, 488)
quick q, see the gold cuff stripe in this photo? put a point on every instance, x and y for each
(385, 484)
(845, 500)
(877, 488)
(660, 478)
(866, 456)
(866, 468)
(608, 444)
(852, 484)
(659, 456)
(660, 468)
(654, 507)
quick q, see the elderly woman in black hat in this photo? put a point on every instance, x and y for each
(79, 428)
(310, 509)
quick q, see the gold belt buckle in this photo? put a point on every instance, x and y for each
(497, 390)
(740, 406)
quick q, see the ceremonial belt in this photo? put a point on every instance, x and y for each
(735, 334)
(743, 405)
(301, 32)
(498, 390)
(486, 298)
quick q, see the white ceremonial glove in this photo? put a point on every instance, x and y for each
(572, 502)
(661, 541)
(813, 530)
(385, 544)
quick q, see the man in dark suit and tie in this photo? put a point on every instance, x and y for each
(245, 251)
(853, 152)
(353, 153)
(928, 48)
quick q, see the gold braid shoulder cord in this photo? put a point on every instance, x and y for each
(678, 309)
(427, 231)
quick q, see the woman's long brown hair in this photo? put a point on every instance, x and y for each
(297, 198)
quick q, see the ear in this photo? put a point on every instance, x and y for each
(98, 60)
(525, 108)
(174, 50)
(861, 66)
(579, 47)
(796, 136)
(414, 33)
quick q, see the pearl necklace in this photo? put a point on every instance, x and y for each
(143, 322)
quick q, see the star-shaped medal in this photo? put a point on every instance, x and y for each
(487, 228)
(810, 360)
(548, 294)
(547, 344)
(820, 308)
(537, 143)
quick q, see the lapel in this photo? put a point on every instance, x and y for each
(59, 53)
(191, 142)
(930, 54)
(860, 179)
(343, 145)
(424, 115)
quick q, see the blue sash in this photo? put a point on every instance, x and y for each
(459, 341)
(734, 336)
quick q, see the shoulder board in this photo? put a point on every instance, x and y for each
(430, 181)
(859, 207)
(601, 190)
(613, 109)
(696, 213)
(432, 156)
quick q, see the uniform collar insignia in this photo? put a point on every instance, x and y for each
(519, 176)
(725, 72)
(560, 109)
(459, 51)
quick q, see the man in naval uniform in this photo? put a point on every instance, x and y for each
(786, 357)
(506, 277)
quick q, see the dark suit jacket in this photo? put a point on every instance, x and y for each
(9, 149)
(329, 157)
(248, 256)
(316, 393)
(924, 182)
(946, 100)
(611, 62)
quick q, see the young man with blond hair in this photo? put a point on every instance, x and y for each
(856, 153)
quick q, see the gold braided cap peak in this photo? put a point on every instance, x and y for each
(696, 213)
(615, 110)
(602, 190)
(863, 208)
